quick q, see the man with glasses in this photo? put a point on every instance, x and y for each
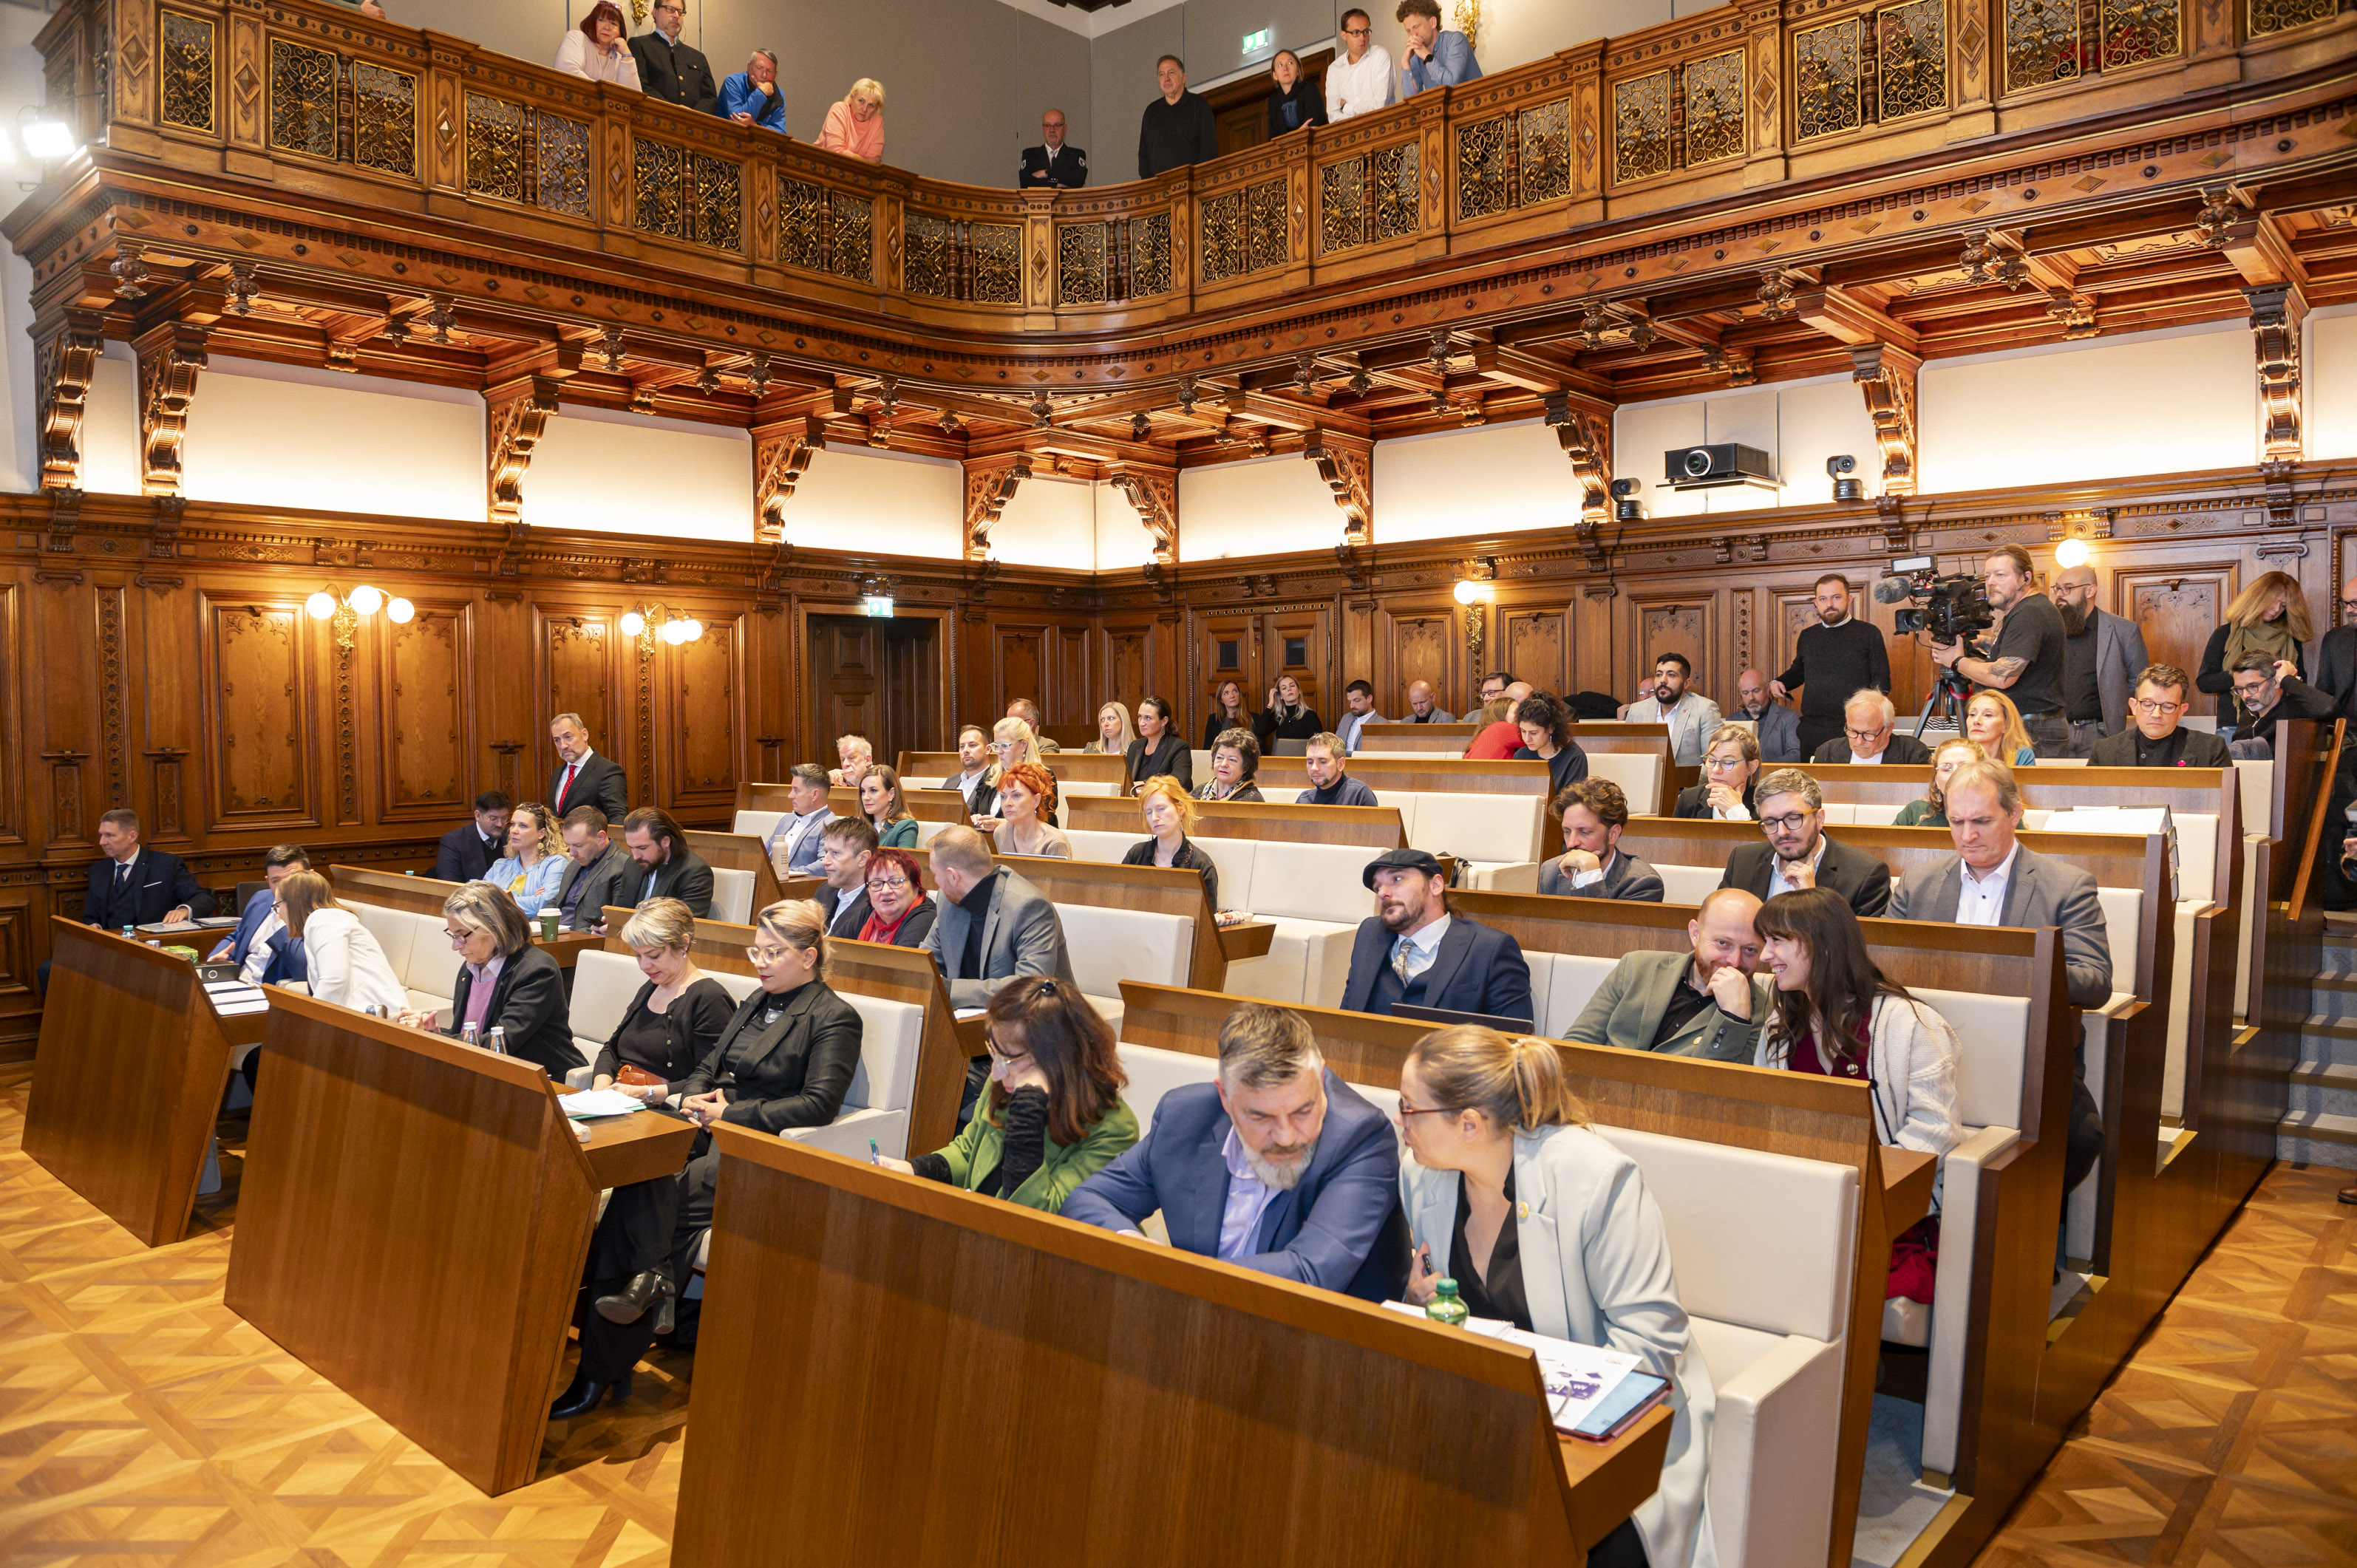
(669, 69)
(1053, 166)
(2270, 689)
(2159, 738)
(2336, 656)
(795, 842)
(1870, 735)
(844, 845)
(1360, 81)
(2101, 655)
(1693, 718)
(1798, 853)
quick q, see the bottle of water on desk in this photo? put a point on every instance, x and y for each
(469, 1035)
(498, 1041)
(1445, 1305)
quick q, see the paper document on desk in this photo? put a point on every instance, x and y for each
(1579, 1377)
(598, 1102)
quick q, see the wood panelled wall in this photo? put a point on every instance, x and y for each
(158, 654)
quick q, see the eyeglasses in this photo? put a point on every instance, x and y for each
(2248, 693)
(1875, 734)
(2155, 708)
(767, 955)
(1354, 32)
(457, 938)
(1407, 1110)
(2349, 607)
(1725, 764)
(1791, 823)
(888, 883)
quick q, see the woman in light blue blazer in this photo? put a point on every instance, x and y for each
(1544, 1223)
(533, 870)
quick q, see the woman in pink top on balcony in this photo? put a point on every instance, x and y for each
(855, 125)
(596, 49)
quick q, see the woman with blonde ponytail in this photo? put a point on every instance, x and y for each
(1543, 1223)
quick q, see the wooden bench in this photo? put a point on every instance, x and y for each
(1374, 828)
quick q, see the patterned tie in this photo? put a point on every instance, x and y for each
(1401, 952)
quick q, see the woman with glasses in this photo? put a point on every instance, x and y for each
(1170, 815)
(885, 806)
(533, 870)
(505, 982)
(898, 913)
(1236, 763)
(1157, 753)
(1542, 1223)
(1932, 810)
(785, 1059)
(1992, 720)
(1053, 1116)
(1729, 768)
(1010, 746)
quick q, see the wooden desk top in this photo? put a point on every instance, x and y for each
(1609, 1480)
(1247, 939)
(639, 1147)
(566, 947)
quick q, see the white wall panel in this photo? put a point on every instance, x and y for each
(855, 497)
(1050, 522)
(109, 426)
(1264, 507)
(282, 435)
(1123, 541)
(625, 473)
(1498, 478)
(2330, 361)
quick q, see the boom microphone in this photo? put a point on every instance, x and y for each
(1893, 591)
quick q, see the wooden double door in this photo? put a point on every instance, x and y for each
(1256, 650)
(874, 676)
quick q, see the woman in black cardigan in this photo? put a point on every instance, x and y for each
(785, 1059)
(1296, 102)
(1170, 815)
(1228, 712)
(1156, 750)
(1730, 769)
(527, 1001)
(1287, 717)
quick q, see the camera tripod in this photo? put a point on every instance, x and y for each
(1950, 693)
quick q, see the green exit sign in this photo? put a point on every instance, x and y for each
(1255, 42)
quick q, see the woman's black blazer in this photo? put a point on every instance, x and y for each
(1190, 856)
(1171, 756)
(1693, 800)
(528, 1002)
(696, 1018)
(792, 1074)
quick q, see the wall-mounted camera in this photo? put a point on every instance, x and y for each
(1626, 507)
(1845, 490)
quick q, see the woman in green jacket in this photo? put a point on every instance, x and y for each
(1054, 1115)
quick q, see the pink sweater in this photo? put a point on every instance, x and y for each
(845, 133)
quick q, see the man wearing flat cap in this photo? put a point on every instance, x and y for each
(1415, 951)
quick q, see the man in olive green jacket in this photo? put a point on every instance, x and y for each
(1707, 1003)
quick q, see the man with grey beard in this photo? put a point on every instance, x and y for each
(1277, 1166)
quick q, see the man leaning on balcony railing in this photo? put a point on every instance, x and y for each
(751, 96)
(1434, 58)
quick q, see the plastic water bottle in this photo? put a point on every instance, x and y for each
(1444, 1306)
(130, 933)
(469, 1035)
(497, 1042)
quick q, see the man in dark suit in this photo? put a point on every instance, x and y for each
(1798, 855)
(844, 849)
(1779, 727)
(990, 926)
(599, 875)
(2159, 738)
(664, 866)
(669, 69)
(1278, 1166)
(2270, 690)
(1703, 1004)
(134, 886)
(1053, 165)
(973, 777)
(1413, 951)
(261, 947)
(582, 776)
(2336, 656)
(466, 853)
(1870, 735)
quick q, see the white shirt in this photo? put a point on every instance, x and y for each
(1982, 900)
(1603, 869)
(1422, 948)
(1874, 761)
(257, 952)
(1352, 722)
(576, 57)
(1360, 89)
(1776, 882)
(967, 781)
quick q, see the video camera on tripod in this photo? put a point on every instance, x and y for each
(1948, 608)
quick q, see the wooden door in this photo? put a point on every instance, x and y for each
(1293, 642)
(872, 677)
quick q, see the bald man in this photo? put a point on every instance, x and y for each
(1779, 727)
(2102, 655)
(2335, 661)
(1424, 706)
(1707, 1002)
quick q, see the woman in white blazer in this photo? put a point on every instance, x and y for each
(348, 967)
(1541, 1221)
(1828, 988)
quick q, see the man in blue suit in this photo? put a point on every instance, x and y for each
(1279, 1166)
(260, 934)
(1413, 951)
(130, 885)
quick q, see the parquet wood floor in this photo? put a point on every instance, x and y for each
(2229, 1440)
(142, 1422)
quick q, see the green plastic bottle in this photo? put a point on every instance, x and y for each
(1445, 1307)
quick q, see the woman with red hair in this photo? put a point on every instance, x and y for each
(1026, 813)
(898, 913)
(598, 50)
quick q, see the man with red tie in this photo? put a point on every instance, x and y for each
(585, 778)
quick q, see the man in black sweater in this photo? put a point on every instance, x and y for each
(1178, 128)
(1832, 661)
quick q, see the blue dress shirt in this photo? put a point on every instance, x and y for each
(531, 887)
(1452, 61)
(739, 96)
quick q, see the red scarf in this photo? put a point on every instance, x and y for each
(876, 930)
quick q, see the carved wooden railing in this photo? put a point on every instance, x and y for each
(1739, 96)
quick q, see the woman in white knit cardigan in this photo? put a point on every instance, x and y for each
(1835, 1014)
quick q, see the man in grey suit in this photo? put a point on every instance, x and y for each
(1703, 1002)
(1693, 718)
(1424, 706)
(794, 843)
(1779, 727)
(1994, 881)
(600, 868)
(2102, 655)
(992, 927)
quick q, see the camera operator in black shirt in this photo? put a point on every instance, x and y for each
(2027, 662)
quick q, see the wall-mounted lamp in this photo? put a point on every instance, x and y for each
(2072, 552)
(650, 622)
(347, 611)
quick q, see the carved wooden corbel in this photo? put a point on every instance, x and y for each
(1886, 375)
(170, 358)
(67, 361)
(2276, 311)
(1346, 464)
(1588, 442)
(1152, 489)
(780, 455)
(519, 415)
(990, 484)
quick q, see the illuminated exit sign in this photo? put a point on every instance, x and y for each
(1255, 42)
